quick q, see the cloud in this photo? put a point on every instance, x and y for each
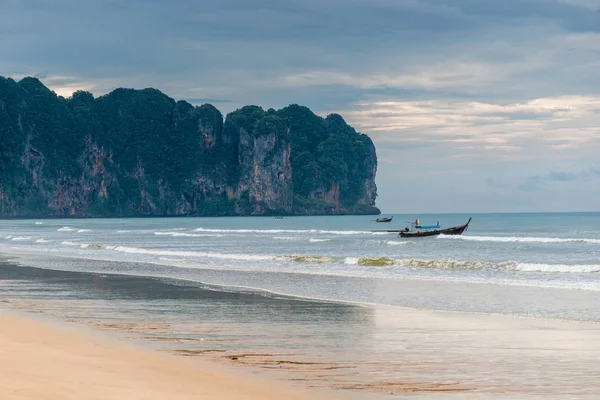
(537, 181)
(502, 89)
(536, 129)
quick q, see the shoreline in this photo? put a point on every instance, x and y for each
(46, 356)
(363, 351)
(45, 360)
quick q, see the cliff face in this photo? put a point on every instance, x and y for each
(139, 152)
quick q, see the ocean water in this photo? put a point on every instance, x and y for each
(499, 265)
(324, 299)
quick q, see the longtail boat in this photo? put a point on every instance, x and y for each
(434, 230)
(384, 219)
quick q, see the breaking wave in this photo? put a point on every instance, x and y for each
(412, 263)
(183, 234)
(307, 259)
(370, 262)
(175, 253)
(581, 268)
(66, 229)
(517, 239)
(292, 231)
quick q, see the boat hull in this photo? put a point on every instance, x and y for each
(455, 230)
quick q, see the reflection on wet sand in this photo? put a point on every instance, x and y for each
(372, 350)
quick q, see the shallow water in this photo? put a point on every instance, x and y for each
(371, 351)
(543, 265)
(319, 300)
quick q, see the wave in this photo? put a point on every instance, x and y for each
(312, 240)
(83, 230)
(39, 223)
(517, 239)
(20, 238)
(183, 234)
(184, 253)
(307, 259)
(370, 261)
(143, 231)
(43, 241)
(66, 229)
(285, 238)
(443, 264)
(471, 265)
(76, 244)
(577, 268)
(293, 231)
(497, 266)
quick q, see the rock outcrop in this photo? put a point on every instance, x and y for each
(141, 153)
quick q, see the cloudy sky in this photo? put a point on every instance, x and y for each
(473, 105)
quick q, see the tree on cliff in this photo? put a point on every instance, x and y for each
(139, 152)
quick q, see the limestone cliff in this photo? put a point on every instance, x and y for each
(141, 153)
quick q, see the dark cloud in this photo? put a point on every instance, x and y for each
(538, 181)
(572, 16)
(334, 54)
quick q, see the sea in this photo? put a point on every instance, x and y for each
(327, 301)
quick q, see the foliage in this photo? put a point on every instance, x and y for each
(149, 152)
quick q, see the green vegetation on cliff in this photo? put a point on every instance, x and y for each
(139, 152)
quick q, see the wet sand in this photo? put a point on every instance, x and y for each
(363, 352)
(41, 361)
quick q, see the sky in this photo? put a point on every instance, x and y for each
(473, 105)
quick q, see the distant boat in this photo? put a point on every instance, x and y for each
(433, 230)
(384, 219)
(278, 217)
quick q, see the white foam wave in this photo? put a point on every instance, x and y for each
(149, 231)
(20, 238)
(517, 239)
(43, 241)
(183, 234)
(9, 237)
(84, 245)
(197, 254)
(312, 240)
(83, 230)
(397, 243)
(577, 268)
(66, 229)
(75, 244)
(292, 231)
(474, 265)
(39, 223)
(285, 238)
(346, 232)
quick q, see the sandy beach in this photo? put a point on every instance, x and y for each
(89, 336)
(41, 361)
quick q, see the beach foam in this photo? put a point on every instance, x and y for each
(516, 239)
